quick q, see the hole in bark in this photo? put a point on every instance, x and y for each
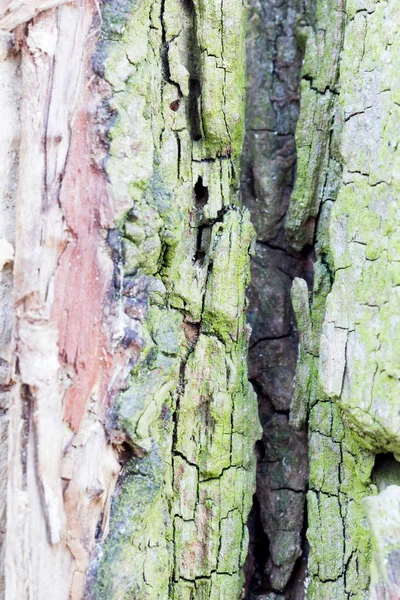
(260, 450)
(192, 331)
(174, 106)
(386, 471)
(200, 193)
(125, 454)
(193, 109)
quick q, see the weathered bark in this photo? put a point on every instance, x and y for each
(131, 263)
(273, 73)
(126, 419)
(346, 183)
(342, 155)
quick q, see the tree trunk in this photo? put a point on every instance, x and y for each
(129, 340)
(345, 203)
(128, 424)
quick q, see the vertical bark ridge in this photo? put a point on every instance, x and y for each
(9, 145)
(339, 545)
(131, 258)
(350, 417)
(182, 246)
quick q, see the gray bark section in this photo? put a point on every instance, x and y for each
(9, 144)
(274, 59)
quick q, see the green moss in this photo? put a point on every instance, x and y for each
(127, 569)
(384, 517)
(178, 523)
(328, 590)
(140, 405)
(220, 34)
(316, 149)
(362, 233)
(355, 322)
(228, 276)
(325, 537)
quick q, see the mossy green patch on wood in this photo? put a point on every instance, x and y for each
(176, 72)
(364, 299)
(316, 157)
(341, 313)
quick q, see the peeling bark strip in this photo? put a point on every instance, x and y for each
(131, 257)
(61, 468)
(18, 12)
(9, 142)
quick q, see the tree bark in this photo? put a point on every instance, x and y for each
(128, 424)
(345, 204)
(128, 351)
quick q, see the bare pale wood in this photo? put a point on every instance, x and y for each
(61, 467)
(17, 12)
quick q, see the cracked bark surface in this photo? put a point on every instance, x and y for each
(128, 169)
(127, 422)
(345, 165)
(188, 413)
(353, 299)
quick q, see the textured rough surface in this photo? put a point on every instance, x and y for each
(131, 149)
(61, 468)
(353, 390)
(273, 73)
(189, 416)
(124, 343)
(360, 355)
(9, 143)
(18, 12)
(384, 516)
(318, 162)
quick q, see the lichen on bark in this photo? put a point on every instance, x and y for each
(354, 387)
(142, 145)
(182, 249)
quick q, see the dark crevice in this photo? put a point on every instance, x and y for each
(26, 409)
(257, 580)
(268, 173)
(194, 116)
(200, 253)
(203, 233)
(200, 194)
(386, 471)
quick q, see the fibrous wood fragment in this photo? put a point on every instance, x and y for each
(17, 12)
